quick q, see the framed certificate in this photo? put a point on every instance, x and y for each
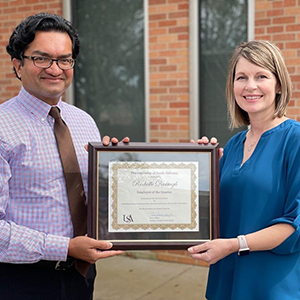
(152, 195)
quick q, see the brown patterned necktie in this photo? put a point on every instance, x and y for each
(75, 190)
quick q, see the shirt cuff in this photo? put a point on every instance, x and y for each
(56, 247)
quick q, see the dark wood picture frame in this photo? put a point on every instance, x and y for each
(99, 158)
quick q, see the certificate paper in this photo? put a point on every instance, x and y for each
(153, 196)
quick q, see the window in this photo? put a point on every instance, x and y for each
(109, 72)
(223, 26)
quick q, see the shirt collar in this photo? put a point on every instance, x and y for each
(36, 106)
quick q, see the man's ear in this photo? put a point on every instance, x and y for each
(17, 65)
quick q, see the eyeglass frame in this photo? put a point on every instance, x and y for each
(51, 63)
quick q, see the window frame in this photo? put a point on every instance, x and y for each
(69, 94)
(195, 63)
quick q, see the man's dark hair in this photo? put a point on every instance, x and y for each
(24, 33)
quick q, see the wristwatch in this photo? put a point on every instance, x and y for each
(244, 249)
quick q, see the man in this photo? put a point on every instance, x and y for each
(37, 243)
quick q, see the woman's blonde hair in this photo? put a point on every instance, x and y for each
(268, 56)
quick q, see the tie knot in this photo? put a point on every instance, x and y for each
(55, 112)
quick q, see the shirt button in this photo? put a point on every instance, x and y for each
(43, 119)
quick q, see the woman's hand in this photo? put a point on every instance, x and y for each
(213, 251)
(204, 140)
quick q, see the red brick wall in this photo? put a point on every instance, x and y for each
(11, 13)
(169, 70)
(278, 21)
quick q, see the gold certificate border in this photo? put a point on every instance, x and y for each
(148, 166)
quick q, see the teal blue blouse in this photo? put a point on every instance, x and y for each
(264, 191)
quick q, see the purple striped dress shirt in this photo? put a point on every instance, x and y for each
(35, 221)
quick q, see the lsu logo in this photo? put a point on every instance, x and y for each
(128, 218)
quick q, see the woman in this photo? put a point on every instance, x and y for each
(259, 185)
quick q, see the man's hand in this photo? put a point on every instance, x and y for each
(90, 250)
(106, 139)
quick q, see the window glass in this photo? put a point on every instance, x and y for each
(109, 72)
(223, 26)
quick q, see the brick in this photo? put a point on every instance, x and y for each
(168, 112)
(168, 98)
(162, 105)
(295, 78)
(23, 8)
(263, 37)
(293, 11)
(183, 37)
(262, 22)
(154, 127)
(289, 53)
(159, 134)
(284, 3)
(179, 120)
(179, 90)
(153, 25)
(40, 7)
(159, 120)
(158, 76)
(168, 127)
(284, 37)
(167, 38)
(184, 6)
(292, 45)
(260, 30)
(183, 127)
(183, 22)
(158, 90)
(168, 68)
(154, 113)
(177, 15)
(167, 141)
(160, 61)
(295, 27)
(284, 20)
(158, 17)
(276, 12)
(177, 1)
(275, 29)
(158, 31)
(177, 134)
(167, 8)
(167, 53)
(184, 29)
(168, 83)
(178, 60)
(167, 23)
(179, 105)
(9, 10)
(184, 112)
(156, 2)
(179, 76)
(263, 5)
(158, 46)
(260, 15)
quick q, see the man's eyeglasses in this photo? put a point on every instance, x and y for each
(46, 62)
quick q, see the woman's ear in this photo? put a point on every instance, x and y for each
(278, 89)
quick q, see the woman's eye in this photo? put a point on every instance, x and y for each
(262, 76)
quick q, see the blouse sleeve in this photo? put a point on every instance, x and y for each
(291, 180)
